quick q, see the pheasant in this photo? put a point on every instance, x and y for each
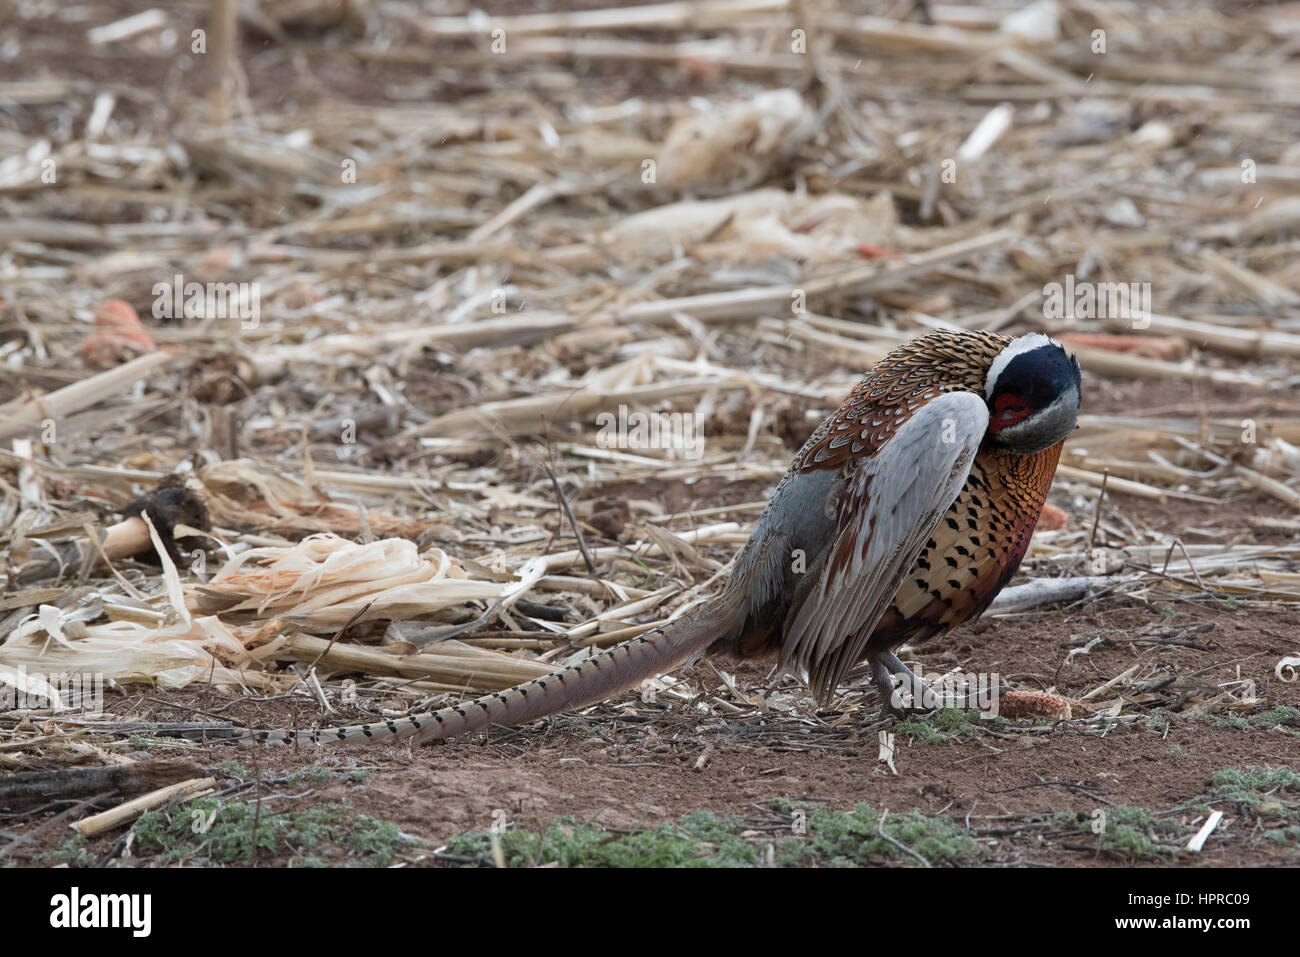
(902, 516)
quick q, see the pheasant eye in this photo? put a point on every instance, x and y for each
(1008, 409)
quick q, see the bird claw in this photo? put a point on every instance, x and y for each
(905, 695)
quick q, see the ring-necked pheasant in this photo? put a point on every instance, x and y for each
(901, 517)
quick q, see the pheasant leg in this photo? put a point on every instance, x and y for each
(900, 690)
(905, 694)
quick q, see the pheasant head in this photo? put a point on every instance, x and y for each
(1032, 390)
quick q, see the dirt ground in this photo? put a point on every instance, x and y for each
(1204, 717)
(628, 765)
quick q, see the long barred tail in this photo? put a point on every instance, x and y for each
(576, 686)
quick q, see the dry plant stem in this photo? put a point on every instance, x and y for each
(357, 616)
(1096, 512)
(487, 668)
(573, 522)
(748, 303)
(1121, 677)
(128, 27)
(121, 540)
(23, 415)
(125, 813)
(1140, 489)
(880, 831)
(792, 66)
(649, 16)
(224, 27)
(1250, 343)
(1042, 591)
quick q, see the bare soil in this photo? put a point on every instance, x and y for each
(628, 765)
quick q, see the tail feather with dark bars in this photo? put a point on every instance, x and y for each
(587, 682)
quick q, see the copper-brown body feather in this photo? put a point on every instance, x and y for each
(974, 550)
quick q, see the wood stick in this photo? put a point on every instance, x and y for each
(658, 16)
(129, 811)
(895, 35)
(1255, 343)
(761, 300)
(723, 55)
(1261, 287)
(525, 415)
(989, 130)
(28, 788)
(1043, 591)
(1198, 840)
(1269, 486)
(573, 521)
(1140, 489)
(867, 353)
(1105, 362)
(537, 195)
(20, 415)
(486, 670)
(127, 28)
(224, 28)
(520, 329)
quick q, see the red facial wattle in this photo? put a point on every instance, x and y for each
(1008, 409)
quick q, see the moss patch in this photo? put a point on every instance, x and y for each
(848, 838)
(209, 832)
(1134, 833)
(825, 838)
(947, 725)
(701, 840)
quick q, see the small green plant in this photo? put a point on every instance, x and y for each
(232, 769)
(1133, 832)
(1284, 836)
(1283, 717)
(1138, 834)
(1253, 791)
(320, 776)
(71, 853)
(940, 727)
(1157, 724)
(850, 838)
(826, 838)
(210, 832)
(701, 840)
(313, 775)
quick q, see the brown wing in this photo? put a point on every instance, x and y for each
(900, 384)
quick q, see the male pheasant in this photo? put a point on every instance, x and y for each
(901, 517)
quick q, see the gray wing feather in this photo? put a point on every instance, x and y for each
(901, 493)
